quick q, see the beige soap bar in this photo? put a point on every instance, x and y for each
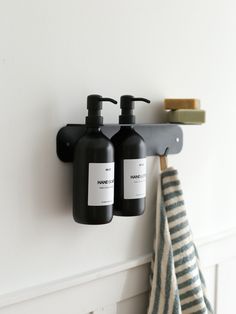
(186, 116)
(187, 103)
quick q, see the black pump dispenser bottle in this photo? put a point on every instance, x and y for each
(130, 163)
(93, 177)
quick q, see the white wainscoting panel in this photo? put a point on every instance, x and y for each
(96, 296)
(124, 288)
(226, 300)
(137, 305)
(210, 277)
(109, 309)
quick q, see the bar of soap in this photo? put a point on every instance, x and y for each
(187, 103)
(186, 116)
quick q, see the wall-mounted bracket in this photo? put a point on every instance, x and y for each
(157, 137)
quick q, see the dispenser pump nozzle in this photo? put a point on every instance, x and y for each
(127, 107)
(94, 106)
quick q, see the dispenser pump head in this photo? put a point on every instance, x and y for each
(127, 108)
(94, 106)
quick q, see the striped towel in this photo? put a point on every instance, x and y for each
(177, 282)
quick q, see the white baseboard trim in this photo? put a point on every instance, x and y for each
(30, 293)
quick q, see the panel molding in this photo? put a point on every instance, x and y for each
(213, 249)
(70, 282)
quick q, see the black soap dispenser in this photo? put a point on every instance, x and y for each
(130, 163)
(93, 177)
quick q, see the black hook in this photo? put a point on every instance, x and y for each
(166, 152)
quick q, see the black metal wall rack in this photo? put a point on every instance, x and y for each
(158, 138)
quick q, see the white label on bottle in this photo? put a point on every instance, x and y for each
(101, 184)
(134, 178)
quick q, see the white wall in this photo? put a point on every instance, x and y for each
(52, 55)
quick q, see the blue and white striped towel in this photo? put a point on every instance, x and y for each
(178, 286)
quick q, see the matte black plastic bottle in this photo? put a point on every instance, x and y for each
(93, 149)
(129, 145)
